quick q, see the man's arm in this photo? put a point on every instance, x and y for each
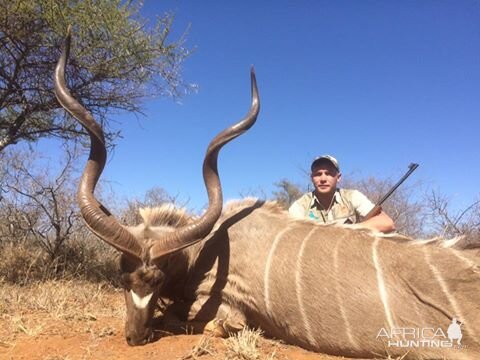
(299, 208)
(381, 222)
(296, 211)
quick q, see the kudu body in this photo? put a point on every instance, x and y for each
(330, 289)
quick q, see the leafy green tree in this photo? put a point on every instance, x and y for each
(117, 59)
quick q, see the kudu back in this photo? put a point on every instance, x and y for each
(329, 289)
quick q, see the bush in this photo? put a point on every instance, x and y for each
(87, 259)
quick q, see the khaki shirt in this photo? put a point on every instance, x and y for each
(348, 205)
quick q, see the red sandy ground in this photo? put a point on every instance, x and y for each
(102, 338)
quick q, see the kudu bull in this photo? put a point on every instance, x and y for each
(330, 289)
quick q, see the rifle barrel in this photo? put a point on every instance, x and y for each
(411, 168)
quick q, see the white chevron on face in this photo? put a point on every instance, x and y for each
(140, 302)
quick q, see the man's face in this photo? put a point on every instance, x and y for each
(325, 177)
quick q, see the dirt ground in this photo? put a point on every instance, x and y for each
(53, 322)
(104, 340)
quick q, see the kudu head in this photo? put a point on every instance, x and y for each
(145, 250)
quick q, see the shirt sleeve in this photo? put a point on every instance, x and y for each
(296, 210)
(361, 203)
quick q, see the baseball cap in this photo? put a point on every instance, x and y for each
(328, 158)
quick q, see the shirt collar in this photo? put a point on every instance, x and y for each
(337, 198)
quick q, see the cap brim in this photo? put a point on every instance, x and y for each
(324, 159)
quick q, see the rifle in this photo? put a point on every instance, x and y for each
(378, 206)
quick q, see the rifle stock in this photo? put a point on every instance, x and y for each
(377, 209)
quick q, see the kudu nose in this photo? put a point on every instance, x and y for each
(129, 341)
(136, 341)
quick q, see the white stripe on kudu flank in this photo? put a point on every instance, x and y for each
(140, 302)
(299, 289)
(443, 285)
(381, 283)
(268, 266)
(340, 298)
(465, 260)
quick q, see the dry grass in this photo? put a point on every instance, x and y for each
(30, 309)
(66, 299)
(24, 262)
(204, 347)
(245, 346)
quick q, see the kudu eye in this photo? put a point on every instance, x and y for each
(153, 277)
(126, 281)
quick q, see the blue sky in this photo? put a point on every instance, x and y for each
(378, 84)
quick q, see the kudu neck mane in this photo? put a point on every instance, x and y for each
(166, 215)
(171, 217)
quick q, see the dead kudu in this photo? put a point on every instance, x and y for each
(330, 289)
